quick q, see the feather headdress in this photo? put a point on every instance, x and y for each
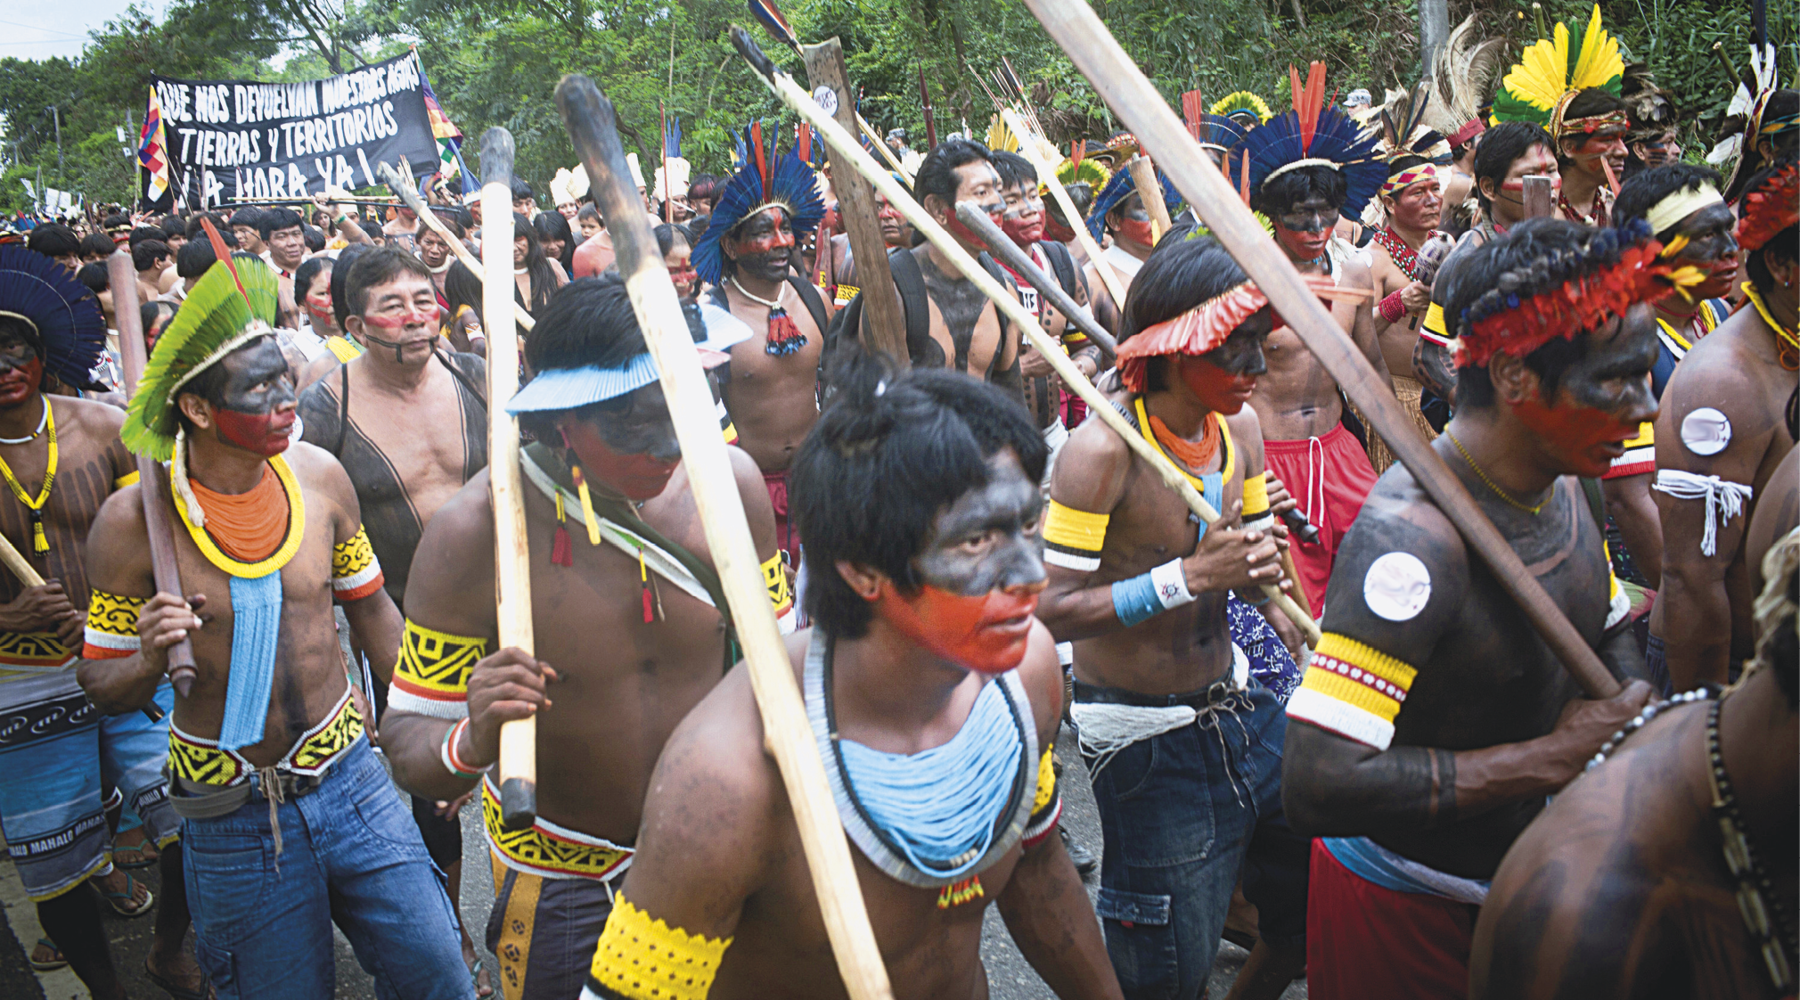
(71, 330)
(1205, 327)
(1460, 78)
(1120, 187)
(1244, 103)
(770, 179)
(1772, 207)
(1551, 72)
(1313, 135)
(1652, 109)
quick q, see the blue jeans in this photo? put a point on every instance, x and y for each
(1183, 814)
(351, 855)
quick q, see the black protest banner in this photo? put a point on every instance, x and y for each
(240, 139)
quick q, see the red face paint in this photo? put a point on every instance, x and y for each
(1302, 246)
(1023, 231)
(1217, 389)
(1585, 440)
(265, 434)
(988, 633)
(20, 380)
(777, 236)
(638, 476)
(684, 281)
(964, 233)
(1137, 231)
(1055, 230)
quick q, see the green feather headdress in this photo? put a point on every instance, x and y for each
(1552, 71)
(228, 307)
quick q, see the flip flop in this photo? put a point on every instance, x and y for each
(475, 978)
(178, 991)
(121, 902)
(141, 855)
(59, 962)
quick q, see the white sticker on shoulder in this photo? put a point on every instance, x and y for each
(1397, 586)
(1706, 431)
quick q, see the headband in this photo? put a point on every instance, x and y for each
(1681, 204)
(1196, 331)
(21, 317)
(1399, 182)
(1471, 128)
(1588, 125)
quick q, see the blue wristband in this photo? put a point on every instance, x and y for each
(1134, 600)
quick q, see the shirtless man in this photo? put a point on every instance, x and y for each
(1719, 437)
(403, 229)
(409, 425)
(290, 823)
(838, 277)
(633, 632)
(770, 386)
(436, 252)
(1142, 592)
(1305, 441)
(949, 662)
(1418, 806)
(1590, 141)
(1413, 207)
(1625, 888)
(1119, 211)
(59, 755)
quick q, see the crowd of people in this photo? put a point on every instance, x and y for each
(1593, 331)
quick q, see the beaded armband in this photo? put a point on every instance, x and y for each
(1256, 502)
(1046, 808)
(643, 959)
(1434, 329)
(1073, 538)
(775, 579)
(1640, 455)
(355, 572)
(1352, 690)
(111, 625)
(128, 479)
(432, 675)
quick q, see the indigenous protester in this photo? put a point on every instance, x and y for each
(949, 322)
(1719, 437)
(61, 458)
(246, 226)
(1023, 221)
(537, 276)
(1770, 133)
(837, 275)
(1118, 211)
(403, 229)
(1574, 95)
(1668, 869)
(1080, 180)
(96, 247)
(318, 321)
(462, 311)
(409, 426)
(1156, 669)
(673, 242)
(1416, 807)
(625, 601)
(1651, 140)
(590, 224)
(935, 699)
(287, 782)
(283, 232)
(1304, 187)
(556, 239)
(150, 258)
(748, 256)
(57, 242)
(436, 252)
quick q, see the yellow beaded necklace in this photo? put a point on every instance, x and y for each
(1502, 494)
(40, 543)
(1787, 344)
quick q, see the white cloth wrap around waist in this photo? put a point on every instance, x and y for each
(1103, 728)
(1723, 499)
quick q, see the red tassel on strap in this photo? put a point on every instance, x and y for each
(562, 551)
(783, 337)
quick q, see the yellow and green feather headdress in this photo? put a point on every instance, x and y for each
(1242, 102)
(1551, 72)
(228, 307)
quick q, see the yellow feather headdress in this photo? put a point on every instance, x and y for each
(1551, 72)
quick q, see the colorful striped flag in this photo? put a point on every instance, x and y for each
(152, 144)
(449, 138)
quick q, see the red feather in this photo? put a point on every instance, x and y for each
(1308, 103)
(803, 142)
(1077, 150)
(223, 253)
(1193, 111)
(762, 158)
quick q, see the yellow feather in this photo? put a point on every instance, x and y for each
(1600, 59)
(1538, 77)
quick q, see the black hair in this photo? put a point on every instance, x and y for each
(247, 216)
(194, 257)
(378, 267)
(142, 233)
(937, 175)
(145, 255)
(1590, 102)
(521, 190)
(306, 272)
(665, 237)
(1014, 170)
(587, 322)
(1523, 258)
(1184, 272)
(276, 219)
(173, 227)
(553, 226)
(196, 229)
(94, 276)
(340, 281)
(1501, 147)
(151, 311)
(888, 454)
(1281, 193)
(315, 240)
(53, 239)
(116, 220)
(590, 212)
(462, 287)
(537, 266)
(1641, 192)
(99, 244)
(1784, 245)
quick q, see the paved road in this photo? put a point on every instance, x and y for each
(1010, 977)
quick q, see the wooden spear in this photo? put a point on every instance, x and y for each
(1088, 43)
(1149, 189)
(395, 180)
(1028, 148)
(592, 127)
(512, 568)
(153, 482)
(845, 147)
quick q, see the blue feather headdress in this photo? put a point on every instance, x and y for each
(70, 327)
(1120, 187)
(1314, 135)
(769, 180)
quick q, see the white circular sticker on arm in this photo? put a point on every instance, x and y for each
(1397, 586)
(826, 99)
(1706, 431)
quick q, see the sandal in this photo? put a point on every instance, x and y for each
(51, 964)
(178, 991)
(125, 903)
(139, 855)
(475, 972)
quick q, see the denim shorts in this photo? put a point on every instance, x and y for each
(351, 855)
(1183, 814)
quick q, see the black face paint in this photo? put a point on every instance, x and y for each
(990, 538)
(1711, 234)
(255, 409)
(1242, 352)
(764, 245)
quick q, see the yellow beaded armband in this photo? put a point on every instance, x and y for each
(1046, 807)
(111, 625)
(432, 674)
(355, 572)
(1353, 690)
(1256, 496)
(775, 579)
(128, 479)
(643, 959)
(1073, 538)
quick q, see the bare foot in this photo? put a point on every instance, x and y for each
(484, 984)
(177, 973)
(127, 896)
(132, 849)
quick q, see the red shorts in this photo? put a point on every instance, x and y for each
(1365, 942)
(786, 538)
(1330, 476)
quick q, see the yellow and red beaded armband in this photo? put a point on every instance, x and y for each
(775, 579)
(1073, 538)
(355, 572)
(111, 625)
(643, 959)
(432, 674)
(1352, 690)
(1640, 455)
(1046, 808)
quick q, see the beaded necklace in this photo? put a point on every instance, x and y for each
(1598, 220)
(43, 419)
(1502, 494)
(783, 336)
(40, 543)
(1405, 257)
(1786, 342)
(1764, 916)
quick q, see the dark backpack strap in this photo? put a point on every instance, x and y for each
(910, 282)
(815, 303)
(1063, 263)
(1596, 499)
(343, 408)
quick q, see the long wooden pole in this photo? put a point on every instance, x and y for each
(153, 482)
(512, 567)
(593, 128)
(1028, 148)
(1149, 189)
(845, 147)
(397, 182)
(1001, 246)
(1088, 43)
